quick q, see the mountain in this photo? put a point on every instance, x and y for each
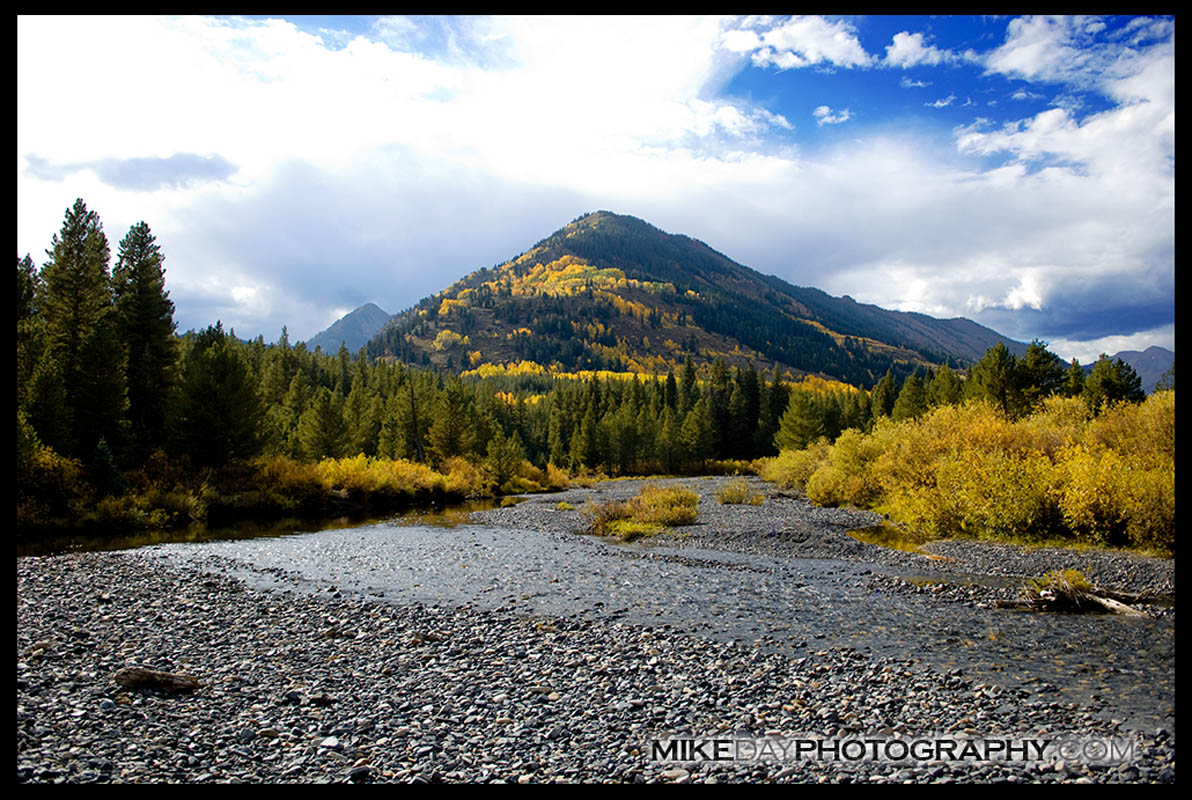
(353, 329)
(1149, 364)
(614, 292)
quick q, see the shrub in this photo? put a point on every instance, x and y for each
(652, 509)
(665, 505)
(738, 492)
(790, 469)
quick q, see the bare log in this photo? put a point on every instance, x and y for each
(142, 678)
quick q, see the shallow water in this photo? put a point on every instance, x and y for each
(1127, 665)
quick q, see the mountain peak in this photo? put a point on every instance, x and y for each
(353, 330)
(611, 291)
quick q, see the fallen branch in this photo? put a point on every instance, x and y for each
(142, 678)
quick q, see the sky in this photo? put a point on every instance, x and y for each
(1016, 171)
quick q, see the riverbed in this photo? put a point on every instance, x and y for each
(759, 620)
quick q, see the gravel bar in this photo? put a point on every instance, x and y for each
(327, 687)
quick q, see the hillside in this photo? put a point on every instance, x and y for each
(353, 330)
(613, 292)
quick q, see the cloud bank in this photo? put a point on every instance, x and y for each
(290, 174)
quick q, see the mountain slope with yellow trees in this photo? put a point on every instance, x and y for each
(611, 292)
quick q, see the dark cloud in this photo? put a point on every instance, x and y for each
(140, 174)
(1093, 312)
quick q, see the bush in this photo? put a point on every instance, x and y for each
(654, 508)
(790, 469)
(738, 492)
(968, 471)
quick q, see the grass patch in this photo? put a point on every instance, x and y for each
(739, 493)
(652, 510)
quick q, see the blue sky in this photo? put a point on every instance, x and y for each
(1016, 171)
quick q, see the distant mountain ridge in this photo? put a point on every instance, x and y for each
(353, 330)
(613, 292)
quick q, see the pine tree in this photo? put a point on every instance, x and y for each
(1111, 381)
(77, 286)
(321, 431)
(883, 396)
(452, 430)
(944, 389)
(504, 457)
(145, 324)
(77, 308)
(912, 399)
(995, 378)
(1040, 374)
(216, 415)
(801, 424)
(1074, 380)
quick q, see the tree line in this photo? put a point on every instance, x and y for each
(104, 378)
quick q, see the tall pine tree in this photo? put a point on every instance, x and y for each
(79, 324)
(145, 322)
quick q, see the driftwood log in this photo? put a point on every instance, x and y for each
(1094, 600)
(142, 678)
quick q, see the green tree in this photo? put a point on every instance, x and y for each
(945, 388)
(77, 307)
(451, 430)
(884, 395)
(216, 415)
(1074, 380)
(504, 457)
(1111, 381)
(802, 423)
(1040, 374)
(145, 322)
(697, 435)
(1166, 381)
(912, 399)
(995, 378)
(321, 430)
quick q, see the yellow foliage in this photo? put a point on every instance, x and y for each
(967, 470)
(792, 468)
(448, 339)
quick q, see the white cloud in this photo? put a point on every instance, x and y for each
(908, 50)
(800, 41)
(826, 116)
(943, 102)
(907, 83)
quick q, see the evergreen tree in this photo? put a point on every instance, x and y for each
(1111, 381)
(688, 392)
(884, 395)
(216, 413)
(145, 324)
(945, 388)
(77, 306)
(697, 437)
(504, 457)
(321, 431)
(452, 430)
(912, 399)
(77, 286)
(1166, 381)
(362, 416)
(1074, 380)
(801, 424)
(995, 378)
(1040, 374)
